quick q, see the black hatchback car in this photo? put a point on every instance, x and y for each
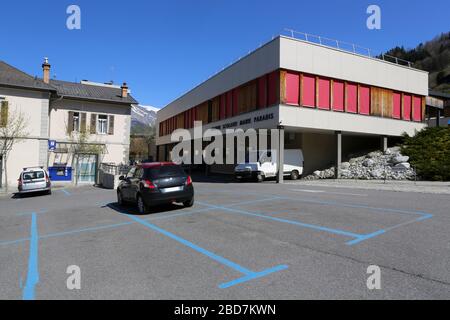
(152, 184)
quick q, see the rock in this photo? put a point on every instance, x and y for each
(377, 173)
(345, 165)
(373, 155)
(317, 173)
(368, 163)
(403, 165)
(399, 159)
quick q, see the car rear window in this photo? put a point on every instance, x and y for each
(164, 171)
(31, 175)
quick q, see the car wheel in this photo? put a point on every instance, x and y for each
(260, 178)
(120, 198)
(49, 192)
(295, 175)
(189, 203)
(142, 208)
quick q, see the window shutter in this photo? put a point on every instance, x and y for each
(83, 122)
(4, 114)
(70, 123)
(111, 125)
(93, 123)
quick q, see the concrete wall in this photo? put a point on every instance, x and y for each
(319, 60)
(319, 151)
(31, 151)
(117, 145)
(314, 119)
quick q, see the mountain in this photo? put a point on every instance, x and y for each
(432, 56)
(142, 117)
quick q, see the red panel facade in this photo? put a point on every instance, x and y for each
(309, 91)
(364, 100)
(274, 84)
(338, 95)
(292, 88)
(352, 98)
(417, 108)
(324, 94)
(262, 92)
(222, 107)
(407, 101)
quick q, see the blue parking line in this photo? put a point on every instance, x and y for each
(249, 275)
(67, 193)
(305, 225)
(33, 270)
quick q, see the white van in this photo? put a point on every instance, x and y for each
(266, 165)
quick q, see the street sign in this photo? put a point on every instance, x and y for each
(51, 145)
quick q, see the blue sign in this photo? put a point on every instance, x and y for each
(51, 145)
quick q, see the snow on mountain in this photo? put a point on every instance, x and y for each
(143, 115)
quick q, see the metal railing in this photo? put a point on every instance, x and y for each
(114, 169)
(345, 46)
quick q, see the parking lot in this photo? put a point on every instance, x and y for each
(239, 241)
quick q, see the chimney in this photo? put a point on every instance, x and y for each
(46, 68)
(124, 88)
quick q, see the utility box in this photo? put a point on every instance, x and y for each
(60, 173)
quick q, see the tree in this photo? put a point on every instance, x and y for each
(13, 129)
(429, 152)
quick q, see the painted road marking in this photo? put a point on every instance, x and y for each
(248, 274)
(329, 192)
(67, 193)
(33, 267)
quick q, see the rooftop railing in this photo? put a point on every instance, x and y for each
(345, 46)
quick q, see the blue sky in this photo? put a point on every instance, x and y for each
(164, 48)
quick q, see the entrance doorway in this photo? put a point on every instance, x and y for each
(86, 168)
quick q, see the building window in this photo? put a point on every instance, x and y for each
(76, 122)
(102, 124)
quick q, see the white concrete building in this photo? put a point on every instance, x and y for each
(329, 102)
(89, 120)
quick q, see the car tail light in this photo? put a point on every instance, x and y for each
(148, 184)
(19, 181)
(188, 181)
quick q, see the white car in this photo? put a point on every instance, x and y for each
(34, 180)
(266, 165)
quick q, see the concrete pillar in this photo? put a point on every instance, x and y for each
(384, 143)
(166, 153)
(338, 154)
(280, 162)
(438, 118)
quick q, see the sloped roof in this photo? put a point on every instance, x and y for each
(90, 92)
(13, 77)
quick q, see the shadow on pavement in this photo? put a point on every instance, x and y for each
(132, 210)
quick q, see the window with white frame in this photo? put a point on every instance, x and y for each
(76, 121)
(102, 124)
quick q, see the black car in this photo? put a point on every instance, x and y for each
(153, 184)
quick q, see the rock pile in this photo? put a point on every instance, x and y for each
(390, 165)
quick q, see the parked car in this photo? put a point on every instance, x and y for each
(34, 179)
(152, 184)
(266, 165)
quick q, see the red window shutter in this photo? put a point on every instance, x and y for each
(417, 108)
(309, 91)
(397, 105)
(222, 107)
(262, 92)
(324, 94)
(235, 101)
(292, 88)
(364, 100)
(338, 95)
(407, 100)
(352, 98)
(229, 108)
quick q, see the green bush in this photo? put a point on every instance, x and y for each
(429, 153)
